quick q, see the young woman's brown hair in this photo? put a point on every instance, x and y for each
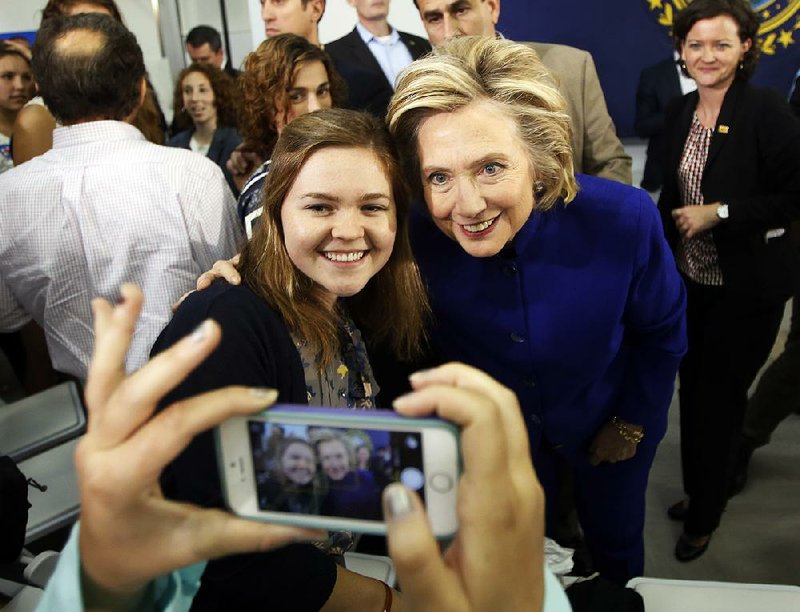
(266, 78)
(393, 305)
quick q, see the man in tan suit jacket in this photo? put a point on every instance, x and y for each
(595, 145)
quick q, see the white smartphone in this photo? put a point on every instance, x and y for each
(327, 467)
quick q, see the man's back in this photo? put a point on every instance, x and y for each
(104, 207)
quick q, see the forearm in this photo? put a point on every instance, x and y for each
(356, 592)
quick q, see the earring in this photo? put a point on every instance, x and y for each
(538, 188)
(741, 65)
(682, 65)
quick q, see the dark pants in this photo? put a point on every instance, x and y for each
(778, 391)
(730, 337)
(610, 500)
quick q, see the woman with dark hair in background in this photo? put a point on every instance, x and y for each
(284, 78)
(731, 189)
(206, 110)
(34, 126)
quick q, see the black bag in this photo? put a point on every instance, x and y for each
(601, 595)
(13, 510)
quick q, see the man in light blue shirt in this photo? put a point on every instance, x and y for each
(372, 55)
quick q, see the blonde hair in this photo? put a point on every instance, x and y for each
(268, 270)
(510, 76)
(328, 435)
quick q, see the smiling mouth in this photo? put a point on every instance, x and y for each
(479, 228)
(345, 257)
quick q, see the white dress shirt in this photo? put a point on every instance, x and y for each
(104, 206)
(390, 52)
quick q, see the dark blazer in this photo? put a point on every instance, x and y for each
(231, 71)
(369, 89)
(794, 99)
(258, 351)
(225, 140)
(658, 86)
(753, 166)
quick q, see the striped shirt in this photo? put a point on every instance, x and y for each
(697, 256)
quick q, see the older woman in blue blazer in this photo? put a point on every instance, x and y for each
(561, 287)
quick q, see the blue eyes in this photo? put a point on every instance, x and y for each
(438, 178)
(487, 170)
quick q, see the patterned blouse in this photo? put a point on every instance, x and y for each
(697, 256)
(347, 382)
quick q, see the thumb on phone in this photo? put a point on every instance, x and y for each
(426, 582)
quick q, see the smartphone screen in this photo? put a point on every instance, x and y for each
(329, 471)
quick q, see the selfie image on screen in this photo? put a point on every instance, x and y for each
(330, 471)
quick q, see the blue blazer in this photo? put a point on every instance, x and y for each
(225, 140)
(582, 316)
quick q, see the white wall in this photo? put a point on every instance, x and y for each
(25, 15)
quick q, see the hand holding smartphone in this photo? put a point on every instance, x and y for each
(327, 468)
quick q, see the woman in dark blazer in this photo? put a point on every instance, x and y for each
(732, 187)
(206, 110)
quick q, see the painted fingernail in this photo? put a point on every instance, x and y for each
(401, 401)
(200, 332)
(418, 374)
(263, 394)
(397, 502)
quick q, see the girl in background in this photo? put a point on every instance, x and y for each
(206, 109)
(16, 88)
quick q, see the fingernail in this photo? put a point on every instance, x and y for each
(200, 332)
(401, 401)
(264, 395)
(398, 502)
(418, 374)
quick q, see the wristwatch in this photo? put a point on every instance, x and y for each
(722, 211)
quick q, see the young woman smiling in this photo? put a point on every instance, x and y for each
(16, 88)
(330, 256)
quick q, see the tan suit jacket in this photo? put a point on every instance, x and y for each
(595, 145)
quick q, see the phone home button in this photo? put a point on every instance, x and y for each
(441, 482)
